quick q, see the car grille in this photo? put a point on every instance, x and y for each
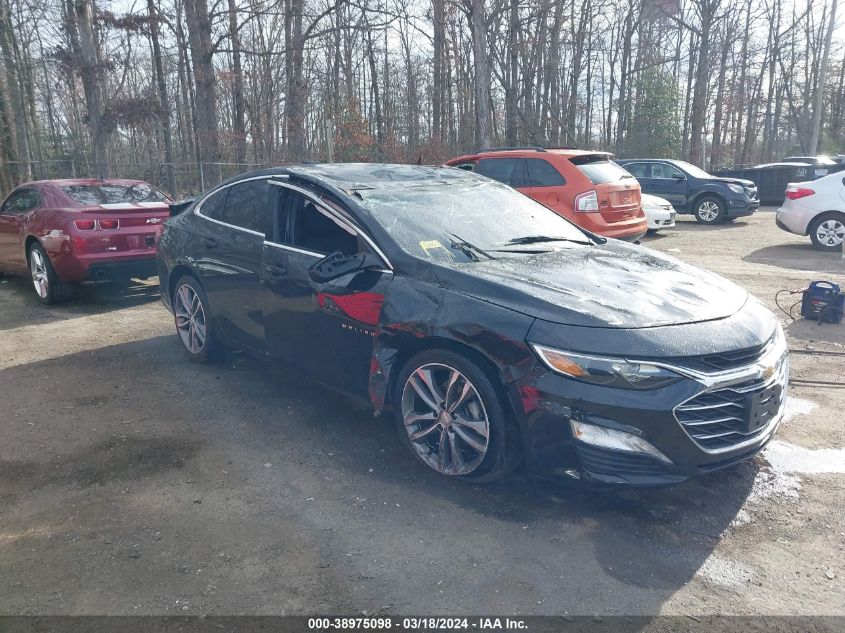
(725, 417)
(721, 361)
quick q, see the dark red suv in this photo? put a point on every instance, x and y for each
(585, 187)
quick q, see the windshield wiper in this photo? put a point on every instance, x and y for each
(470, 250)
(538, 239)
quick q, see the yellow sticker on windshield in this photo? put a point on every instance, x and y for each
(428, 245)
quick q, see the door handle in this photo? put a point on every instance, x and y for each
(275, 271)
(210, 242)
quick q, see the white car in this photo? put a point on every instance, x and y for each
(658, 211)
(816, 208)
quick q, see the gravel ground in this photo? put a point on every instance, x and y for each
(135, 482)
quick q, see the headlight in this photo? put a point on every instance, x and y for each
(736, 188)
(605, 371)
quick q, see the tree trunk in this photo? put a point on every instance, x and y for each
(164, 115)
(199, 38)
(237, 85)
(815, 126)
(481, 85)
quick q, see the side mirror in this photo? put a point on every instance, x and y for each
(337, 265)
(679, 177)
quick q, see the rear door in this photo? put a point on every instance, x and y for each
(230, 263)
(667, 181)
(12, 212)
(546, 185)
(617, 190)
(509, 170)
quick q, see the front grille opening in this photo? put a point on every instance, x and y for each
(731, 415)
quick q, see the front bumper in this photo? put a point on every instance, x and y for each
(740, 206)
(660, 219)
(553, 401)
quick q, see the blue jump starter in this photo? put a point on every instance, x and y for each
(824, 302)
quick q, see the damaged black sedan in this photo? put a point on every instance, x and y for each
(497, 332)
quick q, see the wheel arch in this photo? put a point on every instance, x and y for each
(404, 350)
(708, 193)
(179, 271)
(29, 242)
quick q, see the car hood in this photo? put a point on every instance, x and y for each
(613, 285)
(648, 200)
(738, 181)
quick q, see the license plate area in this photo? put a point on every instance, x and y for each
(761, 407)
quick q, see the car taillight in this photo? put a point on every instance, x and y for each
(85, 225)
(109, 225)
(587, 202)
(794, 193)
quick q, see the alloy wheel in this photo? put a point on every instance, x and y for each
(190, 318)
(831, 232)
(708, 211)
(445, 419)
(40, 278)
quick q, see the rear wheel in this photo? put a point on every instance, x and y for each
(193, 321)
(48, 287)
(828, 231)
(451, 419)
(709, 210)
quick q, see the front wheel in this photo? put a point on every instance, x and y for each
(193, 321)
(828, 231)
(48, 287)
(451, 418)
(709, 210)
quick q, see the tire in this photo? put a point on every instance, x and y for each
(194, 327)
(48, 287)
(428, 419)
(827, 231)
(709, 210)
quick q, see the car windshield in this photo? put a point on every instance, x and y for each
(113, 193)
(599, 168)
(692, 170)
(451, 222)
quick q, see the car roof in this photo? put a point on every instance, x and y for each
(77, 182)
(530, 152)
(355, 176)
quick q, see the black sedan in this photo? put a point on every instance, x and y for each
(495, 331)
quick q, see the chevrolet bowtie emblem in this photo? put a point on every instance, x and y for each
(153, 220)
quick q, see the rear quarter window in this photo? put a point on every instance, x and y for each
(599, 169)
(541, 173)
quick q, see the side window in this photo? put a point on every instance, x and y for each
(510, 171)
(311, 229)
(637, 170)
(247, 205)
(21, 201)
(664, 170)
(212, 207)
(541, 173)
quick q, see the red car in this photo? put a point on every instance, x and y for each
(585, 187)
(64, 232)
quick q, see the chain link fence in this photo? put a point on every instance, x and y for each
(188, 178)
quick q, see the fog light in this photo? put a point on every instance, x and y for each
(616, 440)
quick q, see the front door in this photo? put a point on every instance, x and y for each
(323, 329)
(667, 181)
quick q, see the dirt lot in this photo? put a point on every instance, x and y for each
(135, 482)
